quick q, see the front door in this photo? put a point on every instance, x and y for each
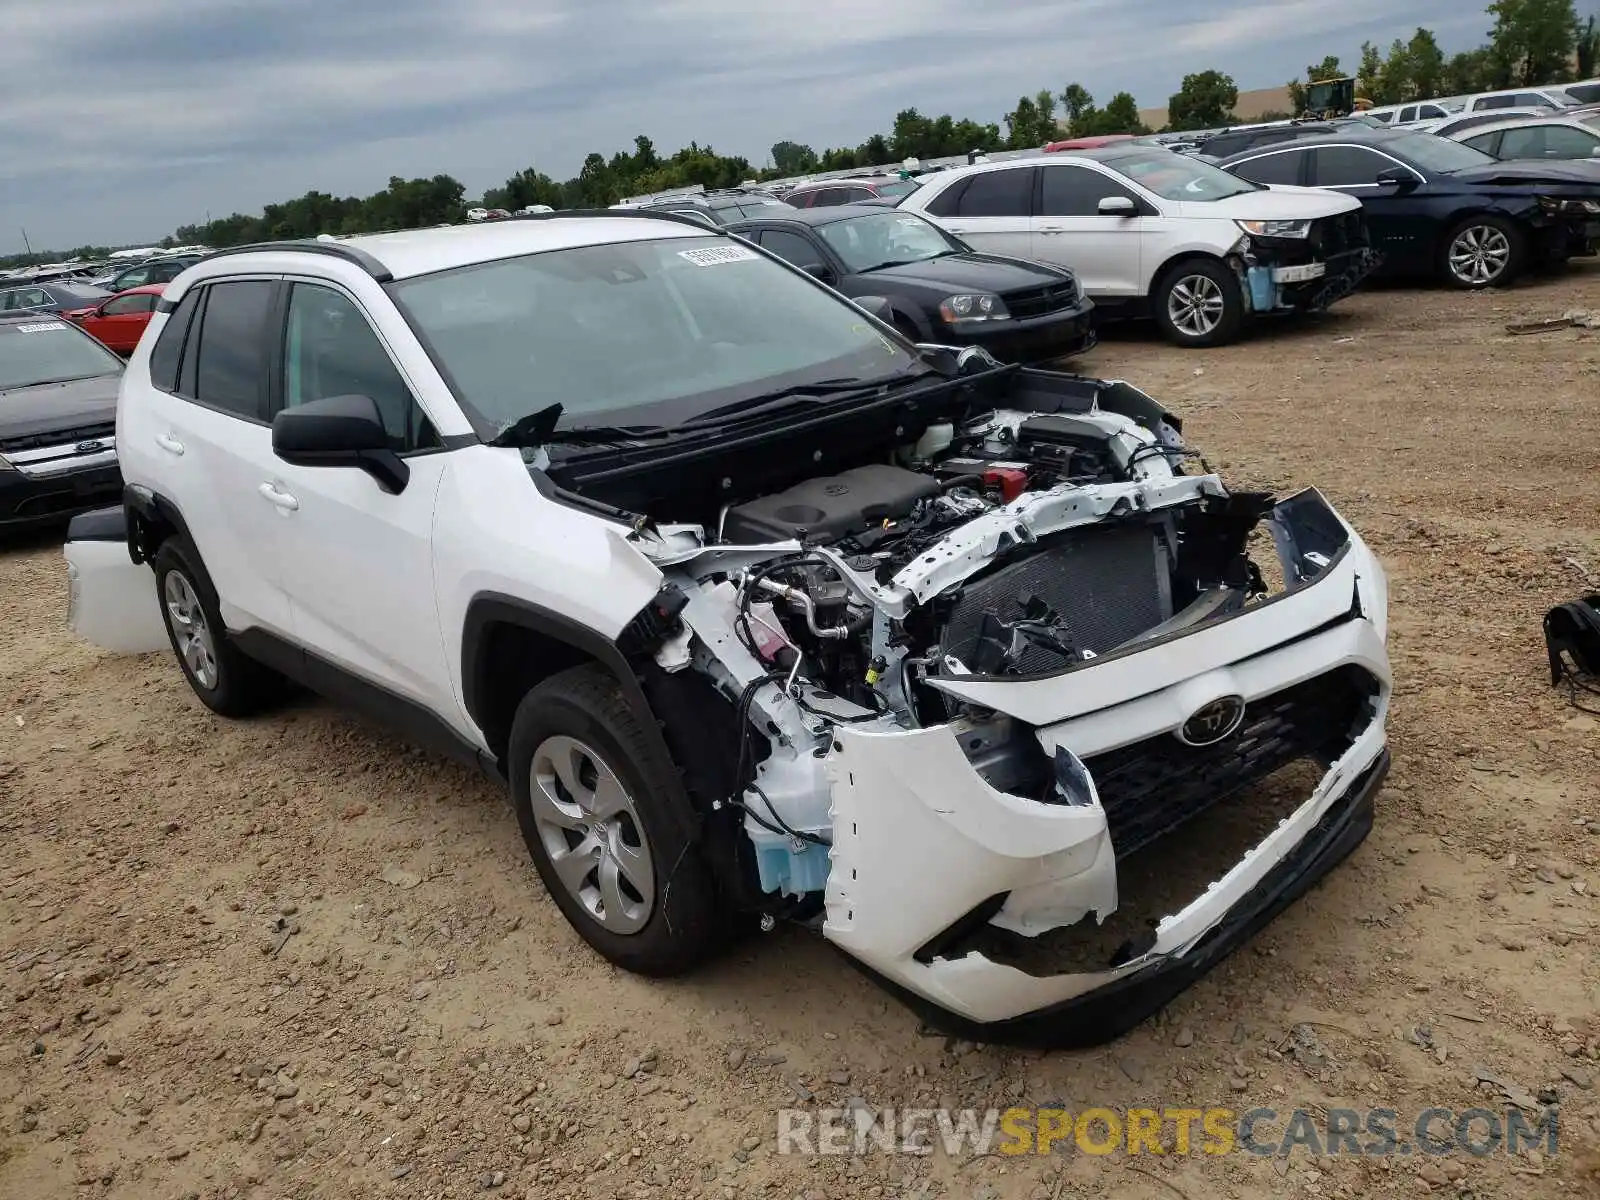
(1070, 230)
(358, 565)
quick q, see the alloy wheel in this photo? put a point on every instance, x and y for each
(590, 828)
(1195, 306)
(187, 621)
(1479, 255)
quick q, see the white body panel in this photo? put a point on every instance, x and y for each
(111, 600)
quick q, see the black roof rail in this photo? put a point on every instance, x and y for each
(350, 254)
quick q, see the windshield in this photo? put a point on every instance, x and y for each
(46, 351)
(653, 332)
(1179, 177)
(1437, 153)
(886, 239)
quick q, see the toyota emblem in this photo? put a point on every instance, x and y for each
(1212, 723)
(90, 447)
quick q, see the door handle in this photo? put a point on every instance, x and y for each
(169, 443)
(1052, 229)
(282, 500)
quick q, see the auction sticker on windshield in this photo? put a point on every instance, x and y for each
(711, 256)
(40, 327)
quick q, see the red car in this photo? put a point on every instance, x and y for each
(119, 322)
(1088, 143)
(827, 192)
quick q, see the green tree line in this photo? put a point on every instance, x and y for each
(1531, 42)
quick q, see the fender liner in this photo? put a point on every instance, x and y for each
(145, 508)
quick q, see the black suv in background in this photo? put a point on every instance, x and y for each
(58, 421)
(717, 209)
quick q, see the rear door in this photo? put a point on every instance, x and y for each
(992, 210)
(198, 436)
(1104, 251)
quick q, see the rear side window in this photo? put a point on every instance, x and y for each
(168, 350)
(230, 366)
(1006, 193)
(1273, 168)
(948, 201)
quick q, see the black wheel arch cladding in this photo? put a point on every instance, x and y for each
(551, 642)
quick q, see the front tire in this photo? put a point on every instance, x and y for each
(607, 824)
(1483, 252)
(228, 682)
(1198, 303)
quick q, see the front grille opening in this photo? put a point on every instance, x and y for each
(1153, 787)
(1181, 817)
(1159, 879)
(59, 437)
(1036, 302)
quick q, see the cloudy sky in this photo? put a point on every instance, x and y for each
(126, 118)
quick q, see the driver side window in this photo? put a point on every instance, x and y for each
(329, 349)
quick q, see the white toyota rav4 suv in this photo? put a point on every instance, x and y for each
(1155, 233)
(761, 611)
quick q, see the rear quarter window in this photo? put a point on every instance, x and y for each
(167, 353)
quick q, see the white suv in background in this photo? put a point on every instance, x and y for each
(1158, 233)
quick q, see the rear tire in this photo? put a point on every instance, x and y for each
(607, 822)
(1198, 303)
(227, 681)
(1481, 252)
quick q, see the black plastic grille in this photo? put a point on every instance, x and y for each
(1108, 584)
(1152, 787)
(1339, 235)
(59, 437)
(1036, 302)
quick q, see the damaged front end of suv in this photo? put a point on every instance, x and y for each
(999, 687)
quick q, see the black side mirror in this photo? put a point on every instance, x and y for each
(1398, 178)
(818, 272)
(340, 431)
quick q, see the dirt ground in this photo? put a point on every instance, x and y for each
(431, 1027)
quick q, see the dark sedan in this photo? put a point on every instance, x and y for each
(938, 288)
(55, 296)
(1437, 208)
(58, 412)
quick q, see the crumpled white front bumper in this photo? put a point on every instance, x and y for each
(921, 843)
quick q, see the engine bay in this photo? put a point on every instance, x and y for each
(888, 572)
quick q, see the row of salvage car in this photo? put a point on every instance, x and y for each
(1204, 248)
